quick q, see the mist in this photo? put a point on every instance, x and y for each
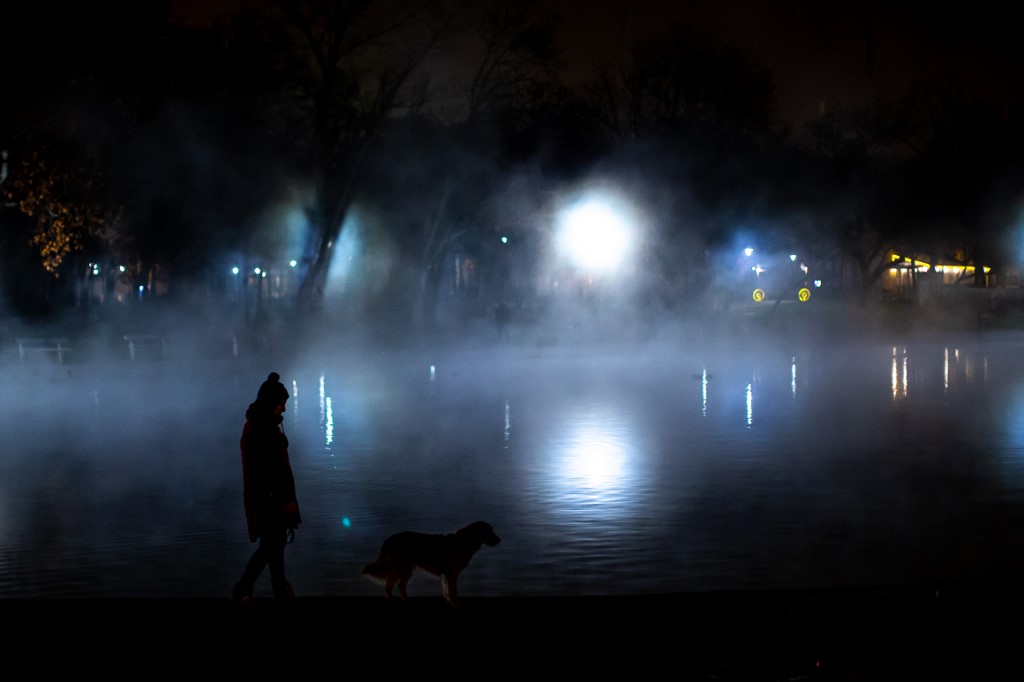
(800, 344)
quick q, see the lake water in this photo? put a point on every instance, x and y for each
(606, 469)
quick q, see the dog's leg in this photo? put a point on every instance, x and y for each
(402, 583)
(450, 587)
(388, 586)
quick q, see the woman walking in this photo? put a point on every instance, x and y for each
(271, 507)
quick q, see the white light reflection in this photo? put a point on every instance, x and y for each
(945, 369)
(792, 376)
(508, 425)
(433, 372)
(594, 470)
(326, 414)
(750, 404)
(704, 393)
(294, 402)
(321, 396)
(594, 460)
(329, 423)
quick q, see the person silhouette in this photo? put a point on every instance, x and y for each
(268, 490)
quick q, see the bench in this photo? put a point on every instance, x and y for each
(134, 341)
(55, 345)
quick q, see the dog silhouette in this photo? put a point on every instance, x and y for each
(442, 555)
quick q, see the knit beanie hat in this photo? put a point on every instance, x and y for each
(272, 391)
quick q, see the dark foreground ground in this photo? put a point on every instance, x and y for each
(877, 633)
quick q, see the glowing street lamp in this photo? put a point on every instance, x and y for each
(595, 235)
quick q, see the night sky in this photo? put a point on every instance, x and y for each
(821, 54)
(827, 53)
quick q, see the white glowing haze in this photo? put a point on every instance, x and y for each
(594, 236)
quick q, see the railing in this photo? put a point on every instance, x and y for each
(38, 345)
(135, 341)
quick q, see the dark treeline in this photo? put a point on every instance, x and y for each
(431, 129)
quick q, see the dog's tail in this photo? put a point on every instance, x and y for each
(376, 571)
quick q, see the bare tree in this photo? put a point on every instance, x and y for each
(353, 65)
(682, 83)
(860, 152)
(518, 58)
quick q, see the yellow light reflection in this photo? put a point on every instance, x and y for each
(905, 381)
(900, 369)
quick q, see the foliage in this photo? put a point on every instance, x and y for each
(66, 197)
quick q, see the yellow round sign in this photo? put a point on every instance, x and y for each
(758, 295)
(804, 294)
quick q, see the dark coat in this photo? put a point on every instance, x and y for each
(268, 483)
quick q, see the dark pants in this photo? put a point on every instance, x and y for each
(269, 553)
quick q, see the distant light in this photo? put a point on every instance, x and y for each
(96, 270)
(234, 270)
(345, 521)
(504, 239)
(595, 236)
(817, 283)
(122, 268)
(293, 262)
(263, 274)
(748, 251)
(141, 289)
(256, 271)
(433, 372)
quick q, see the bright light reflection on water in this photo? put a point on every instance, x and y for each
(603, 473)
(593, 466)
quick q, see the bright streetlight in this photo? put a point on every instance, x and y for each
(595, 235)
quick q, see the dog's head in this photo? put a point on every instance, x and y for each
(481, 531)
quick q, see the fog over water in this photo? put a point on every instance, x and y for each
(744, 457)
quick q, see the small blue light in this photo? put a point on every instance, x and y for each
(345, 521)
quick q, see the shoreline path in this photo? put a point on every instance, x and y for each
(856, 634)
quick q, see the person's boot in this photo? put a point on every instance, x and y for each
(285, 594)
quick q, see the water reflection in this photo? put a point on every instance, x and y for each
(704, 392)
(617, 474)
(594, 466)
(507, 431)
(899, 373)
(750, 405)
